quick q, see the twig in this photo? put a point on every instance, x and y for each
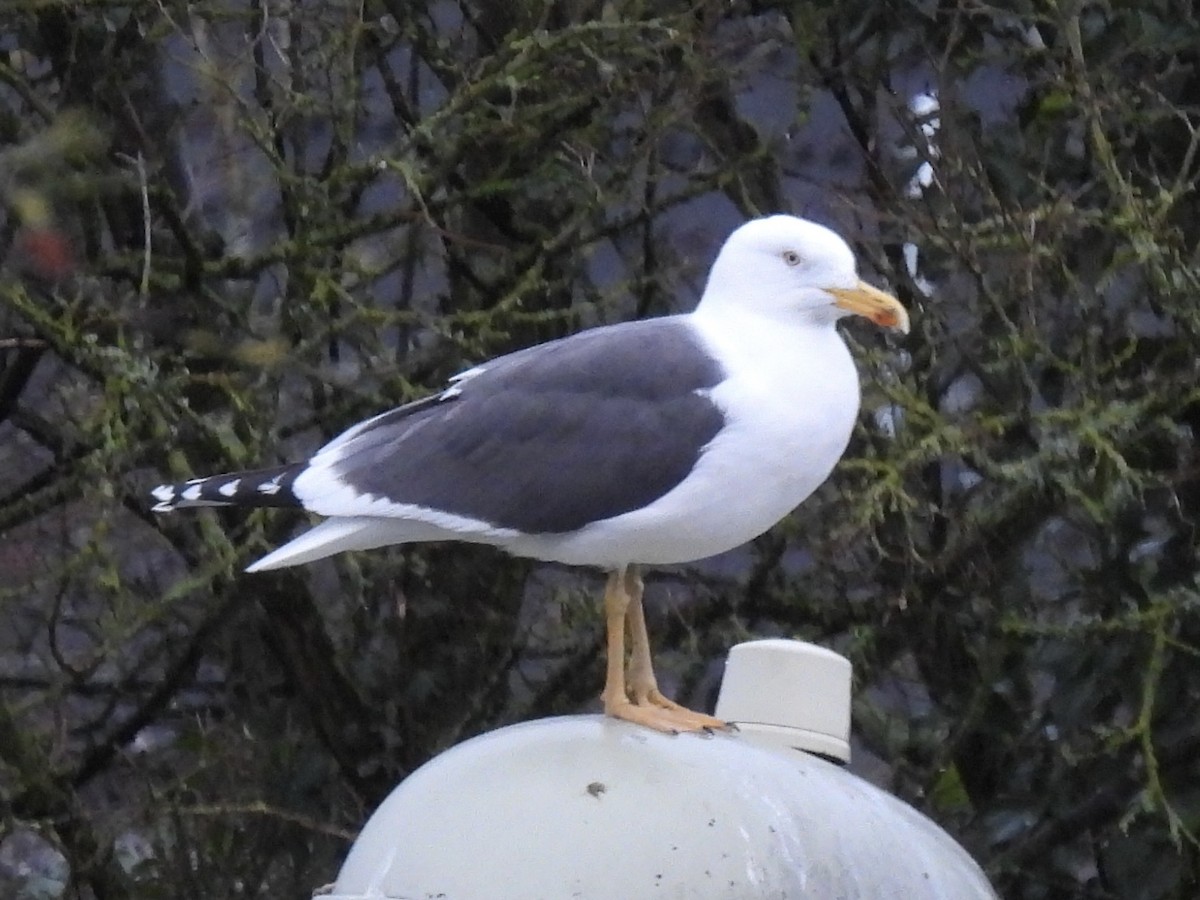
(139, 163)
(20, 343)
(261, 808)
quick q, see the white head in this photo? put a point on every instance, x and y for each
(783, 266)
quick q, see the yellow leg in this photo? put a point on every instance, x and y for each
(643, 686)
(616, 602)
(623, 606)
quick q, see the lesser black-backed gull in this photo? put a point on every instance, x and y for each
(651, 442)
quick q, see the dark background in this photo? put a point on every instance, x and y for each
(228, 230)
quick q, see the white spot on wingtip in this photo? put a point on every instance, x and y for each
(192, 493)
(229, 488)
(271, 487)
(163, 492)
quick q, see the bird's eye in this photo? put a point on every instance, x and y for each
(791, 257)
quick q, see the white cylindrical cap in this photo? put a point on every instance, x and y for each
(785, 693)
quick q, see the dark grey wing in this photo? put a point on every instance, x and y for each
(548, 439)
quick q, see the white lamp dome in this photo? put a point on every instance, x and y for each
(593, 808)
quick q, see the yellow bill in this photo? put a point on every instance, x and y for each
(879, 306)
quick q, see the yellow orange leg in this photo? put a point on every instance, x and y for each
(616, 602)
(616, 700)
(643, 686)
